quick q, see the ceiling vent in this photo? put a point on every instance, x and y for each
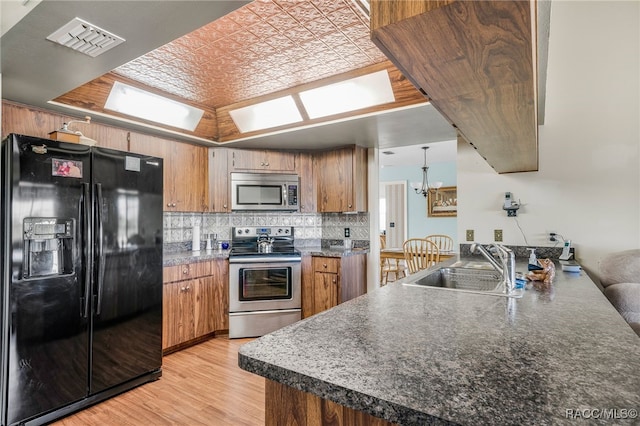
(85, 38)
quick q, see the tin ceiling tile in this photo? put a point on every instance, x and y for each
(243, 17)
(264, 46)
(304, 12)
(320, 26)
(283, 22)
(343, 17)
(265, 8)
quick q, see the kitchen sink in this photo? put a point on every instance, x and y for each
(479, 278)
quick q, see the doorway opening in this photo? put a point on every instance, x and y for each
(393, 213)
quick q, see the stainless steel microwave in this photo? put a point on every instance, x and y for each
(265, 191)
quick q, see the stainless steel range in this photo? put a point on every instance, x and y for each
(264, 280)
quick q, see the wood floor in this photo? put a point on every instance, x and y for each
(200, 385)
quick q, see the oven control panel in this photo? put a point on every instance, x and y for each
(272, 231)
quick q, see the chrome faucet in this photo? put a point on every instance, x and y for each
(507, 265)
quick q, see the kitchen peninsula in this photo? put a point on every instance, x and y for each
(428, 356)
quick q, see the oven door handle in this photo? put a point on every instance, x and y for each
(273, 311)
(264, 259)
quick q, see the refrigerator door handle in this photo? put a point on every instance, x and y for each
(100, 236)
(86, 237)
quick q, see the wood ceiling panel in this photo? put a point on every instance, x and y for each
(93, 95)
(404, 92)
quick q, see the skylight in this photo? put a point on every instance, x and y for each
(273, 113)
(349, 95)
(139, 103)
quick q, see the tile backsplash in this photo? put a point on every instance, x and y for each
(312, 227)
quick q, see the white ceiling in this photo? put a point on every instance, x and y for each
(413, 155)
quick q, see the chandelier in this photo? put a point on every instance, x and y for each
(425, 187)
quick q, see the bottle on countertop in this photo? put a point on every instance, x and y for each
(533, 265)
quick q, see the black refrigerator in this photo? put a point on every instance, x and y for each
(81, 300)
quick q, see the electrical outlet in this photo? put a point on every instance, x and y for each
(497, 235)
(347, 232)
(469, 234)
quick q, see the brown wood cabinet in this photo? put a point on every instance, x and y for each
(195, 302)
(219, 197)
(329, 281)
(475, 61)
(185, 171)
(308, 193)
(287, 405)
(342, 179)
(262, 160)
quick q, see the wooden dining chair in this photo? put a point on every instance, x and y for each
(389, 266)
(420, 253)
(444, 242)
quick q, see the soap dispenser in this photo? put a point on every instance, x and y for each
(533, 261)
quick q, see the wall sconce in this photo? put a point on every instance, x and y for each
(425, 187)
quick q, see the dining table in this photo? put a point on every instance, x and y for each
(398, 253)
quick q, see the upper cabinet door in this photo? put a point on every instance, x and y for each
(308, 193)
(185, 171)
(476, 62)
(262, 160)
(219, 180)
(342, 180)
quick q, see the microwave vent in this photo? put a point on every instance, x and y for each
(86, 38)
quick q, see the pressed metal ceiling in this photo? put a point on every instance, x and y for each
(261, 48)
(264, 49)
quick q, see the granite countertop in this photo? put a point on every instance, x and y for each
(334, 251)
(429, 356)
(182, 257)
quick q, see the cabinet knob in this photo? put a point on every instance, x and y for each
(324, 265)
(266, 164)
(224, 205)
(185, 271)
(349, 205)
(183, 289)
(334, 281)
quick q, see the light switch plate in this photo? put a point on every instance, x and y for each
(497, 235)
(469, 234)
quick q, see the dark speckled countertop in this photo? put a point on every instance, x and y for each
(419, 356)
(182, 257)
(332, 251)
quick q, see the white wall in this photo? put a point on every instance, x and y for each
(588, 184)
(419, 225)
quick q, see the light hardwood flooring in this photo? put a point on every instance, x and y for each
(200, 385)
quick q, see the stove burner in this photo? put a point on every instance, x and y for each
(246, 241)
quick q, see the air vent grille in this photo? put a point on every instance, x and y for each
(85, 38)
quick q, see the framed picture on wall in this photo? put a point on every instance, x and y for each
(442, 202)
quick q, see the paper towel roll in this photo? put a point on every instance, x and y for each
(195, 245)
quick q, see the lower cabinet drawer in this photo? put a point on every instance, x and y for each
(326, 264)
